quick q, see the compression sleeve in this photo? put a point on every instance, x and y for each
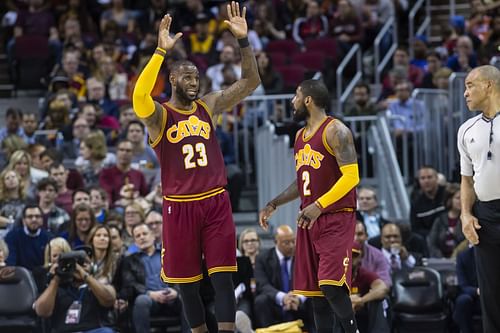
(348, 180)
(142, 101)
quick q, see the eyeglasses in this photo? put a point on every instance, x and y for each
(132, 213)
(29, 217)
(248, 241)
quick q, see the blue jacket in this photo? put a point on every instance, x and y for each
(26, 250)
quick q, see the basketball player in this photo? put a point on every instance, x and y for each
(327, 173)
(196, 209)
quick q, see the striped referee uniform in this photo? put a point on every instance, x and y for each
(478, 142)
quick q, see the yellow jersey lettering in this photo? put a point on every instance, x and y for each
(308, 157)
(193, 126)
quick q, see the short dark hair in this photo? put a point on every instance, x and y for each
(56, 165)
(179, 63)
(317, 90)
(122, 141)
(433, 53)
(138, 225)
(14, 112)
(30, 206)
(84, 190)
(47, 181)
(135, 122)
(53, 154)
(363, 85)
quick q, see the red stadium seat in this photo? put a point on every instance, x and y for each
(285, 46)
(328, 46)
(292, 76)
(278, 58)
(310, 60)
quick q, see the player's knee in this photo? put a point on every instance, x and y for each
(222, 282)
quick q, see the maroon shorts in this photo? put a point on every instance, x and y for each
(324, 253)
(195, 228)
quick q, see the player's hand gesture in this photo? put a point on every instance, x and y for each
(469, 226)
(165, 41)
(308, 216)
(265, 215)
(237, 22)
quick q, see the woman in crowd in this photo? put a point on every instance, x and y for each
(52, 251)
(94, 157)
(20, 161)
(99, 239)
(12, 198)
(249, 244)
(271, 79)
(82, 221)
(446, 232)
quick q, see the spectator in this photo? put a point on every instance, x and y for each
(29, 127)
(201, 44)
(155, 197)
(58, 302)
(274, 300)
(368, 292)
(134, 215)
(114, 179)
(441, 80)
(54, 217)
(393, 249)
(127, 114)
(419, 52)
(94, 157)
(414, 74)
(464, 58)
(374, 14)
(446, 232)
(433, 65)
(362, 105)
(368, 211)
(227, 58)
(59, 173)
(99, 239)
(99, 203)
(97, 95)
(9, 145)
(70, 69)
(271, 79)
(144, 157)
(346, 26)
(409, 111)
(467, 303)
(266, 25)
(4, 252)
(314, 25)
(116, 82)
(13, 119)
(37, 171)
(427, 202)
(119, 247)
(53, 250)
(81, 196)
(154, 221)
(249, 244)
(27, 242)
(20, 162)
(58, 117)
(120, 15)
(142, 287)
(12, 200)
(82, 221)
(79, 131)
(372, 259)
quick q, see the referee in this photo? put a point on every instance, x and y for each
(479, 145)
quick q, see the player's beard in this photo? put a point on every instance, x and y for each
(183, 96)
(301, 114)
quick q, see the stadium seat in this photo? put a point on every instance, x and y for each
(418, 304)
(327, 46)
(292, 76)
(31, 54)
(18, 292)
(310, 60)
(285, 46)
(278, 59)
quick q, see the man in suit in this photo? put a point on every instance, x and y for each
(274, 301)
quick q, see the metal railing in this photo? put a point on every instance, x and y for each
(424, 26)
(343, 94)
(381, 64)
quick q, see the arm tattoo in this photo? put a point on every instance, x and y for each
(340, 139)
(291, 193)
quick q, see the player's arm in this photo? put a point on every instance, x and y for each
(147, 110)
(219, 101)
(291, 193)
(339, 138)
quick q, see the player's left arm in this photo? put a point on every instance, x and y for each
(219, 101)
(339, 139)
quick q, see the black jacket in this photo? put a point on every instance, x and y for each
(268, 273)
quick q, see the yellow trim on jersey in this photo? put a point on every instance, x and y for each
(193, 108)
(205, 106)
(339, 283)
(181, 280)
(325, 141)
(308, 293)
(222, 269)
(305, 139)
(194, 197)
(162, 130)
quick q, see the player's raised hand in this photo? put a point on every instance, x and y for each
(165, 41)
(265, 215)
(237, 22)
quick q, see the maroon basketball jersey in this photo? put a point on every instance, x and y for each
(192, 166)
(317, 169)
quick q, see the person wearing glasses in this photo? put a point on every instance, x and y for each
(154, 221)
(249, 244)
(26, 243)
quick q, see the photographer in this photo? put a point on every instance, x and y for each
(74, 299)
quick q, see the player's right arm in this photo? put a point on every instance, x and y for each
(147, 110)
(291, 193)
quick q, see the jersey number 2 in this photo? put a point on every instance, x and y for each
(306, 178)
(188, 150)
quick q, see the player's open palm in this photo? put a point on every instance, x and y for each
(165, 41)
(237, 22)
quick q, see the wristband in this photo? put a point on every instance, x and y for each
(318, 205)
(161, 51)
(272, 204)
(243, 42)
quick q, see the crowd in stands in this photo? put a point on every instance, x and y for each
(91, 181)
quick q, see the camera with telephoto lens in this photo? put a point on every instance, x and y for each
(67, 264)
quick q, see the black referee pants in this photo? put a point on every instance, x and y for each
(487, 254)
